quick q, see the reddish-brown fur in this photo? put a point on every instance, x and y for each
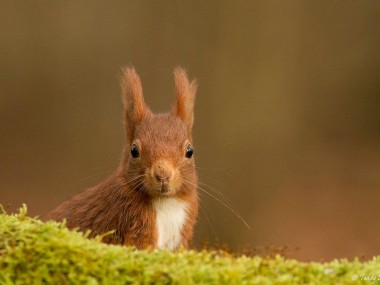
(123, 202)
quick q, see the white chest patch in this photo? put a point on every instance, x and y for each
(170, 218)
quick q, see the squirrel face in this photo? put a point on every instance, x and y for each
(158, 159)
(161, 156)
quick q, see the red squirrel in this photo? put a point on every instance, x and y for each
(151, 199)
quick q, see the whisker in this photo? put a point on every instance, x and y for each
(222, 170)
(139, 183)
(71, 185)
(204, 211)
(135, 178)
(229, 207)
(221, 195)
(202, 176)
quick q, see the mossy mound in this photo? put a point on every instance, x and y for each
(34, 252)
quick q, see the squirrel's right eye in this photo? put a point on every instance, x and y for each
(135, 151)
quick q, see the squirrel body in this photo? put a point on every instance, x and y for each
(151, 198)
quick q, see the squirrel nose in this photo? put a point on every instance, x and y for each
(162, 178)
(162, 171)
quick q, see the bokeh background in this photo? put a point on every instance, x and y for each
(287, 116)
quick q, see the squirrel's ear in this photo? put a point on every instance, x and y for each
(133, 100)
(185, 97)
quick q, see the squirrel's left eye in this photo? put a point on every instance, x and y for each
(189, 151)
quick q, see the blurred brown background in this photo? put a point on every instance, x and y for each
(287, 116)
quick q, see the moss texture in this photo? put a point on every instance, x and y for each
(34, 252)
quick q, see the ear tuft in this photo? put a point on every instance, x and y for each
(185, 97)
(130, 86)
(133, 100)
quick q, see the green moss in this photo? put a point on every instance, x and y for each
(34, 252)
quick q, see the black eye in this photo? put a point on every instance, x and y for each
(189, 151)
(135, 151)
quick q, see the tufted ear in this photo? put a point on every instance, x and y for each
(134, 106)
(185, 97)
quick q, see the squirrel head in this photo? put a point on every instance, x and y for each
(158, 158)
